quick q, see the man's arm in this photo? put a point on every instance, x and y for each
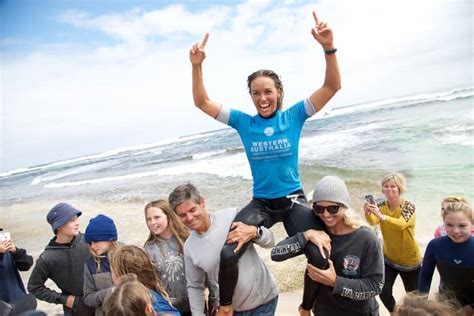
(332, 81)
(201, 99)
(266, 238)
(195, 279)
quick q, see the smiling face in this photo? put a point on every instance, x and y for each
(194, 215)
(390, 190)
(458, 226)
(265, 95)
(332, 221)
(157, 222)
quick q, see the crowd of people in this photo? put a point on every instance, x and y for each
(193, 258)
(177, 271)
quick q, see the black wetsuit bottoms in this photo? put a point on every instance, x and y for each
(296, 217)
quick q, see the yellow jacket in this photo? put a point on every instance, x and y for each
(398, 231)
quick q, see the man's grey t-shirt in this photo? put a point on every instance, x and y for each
(255, 285)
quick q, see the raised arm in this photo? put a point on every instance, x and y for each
(332, 81)
(201, 99)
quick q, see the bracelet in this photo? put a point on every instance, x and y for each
(330, 51)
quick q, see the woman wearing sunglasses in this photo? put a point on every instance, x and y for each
(355, 274)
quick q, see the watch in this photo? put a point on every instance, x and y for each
(259, 232)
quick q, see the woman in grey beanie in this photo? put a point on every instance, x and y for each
(355, 273)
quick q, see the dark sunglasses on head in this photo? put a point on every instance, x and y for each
(332, 209)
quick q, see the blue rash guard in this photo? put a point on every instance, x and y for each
(455, 263)
(271, 145)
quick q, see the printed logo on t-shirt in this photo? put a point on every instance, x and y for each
(272, 149)
(457, 261)
(269, 131)
(350, 265)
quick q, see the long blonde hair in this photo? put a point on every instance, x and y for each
(132, 259)
(128, 298)
(175, 225)
(351, 218)
(113, 245)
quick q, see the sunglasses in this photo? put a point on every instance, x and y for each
(332, 209)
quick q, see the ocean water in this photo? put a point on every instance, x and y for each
(428, 137)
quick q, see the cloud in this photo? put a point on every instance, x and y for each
(136, 88)
(138, 25)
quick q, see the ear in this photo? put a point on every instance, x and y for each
(202, 203)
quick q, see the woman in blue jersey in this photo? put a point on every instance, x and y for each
(453, 256)
(271, 142)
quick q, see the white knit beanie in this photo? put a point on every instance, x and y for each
(331, 189)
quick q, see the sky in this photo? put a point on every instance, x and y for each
(84, 76)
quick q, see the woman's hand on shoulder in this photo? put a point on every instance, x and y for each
(320, 239)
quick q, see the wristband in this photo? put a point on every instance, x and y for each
(330, 51)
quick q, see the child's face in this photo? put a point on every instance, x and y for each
(458, 226)
(71, 228)
(100, 247)
(157, 221)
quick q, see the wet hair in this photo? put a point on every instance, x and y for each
(415, 304)
(184, 193)
(272, 75)
(453, 204)
(129, 297)
(132, 259)
(399, 179)
(175, 225)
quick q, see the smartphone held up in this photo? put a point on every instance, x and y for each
(369, 198)
(4, 235)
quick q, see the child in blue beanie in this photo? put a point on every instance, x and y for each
(101, 234)
(63, 262)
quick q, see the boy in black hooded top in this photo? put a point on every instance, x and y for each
(63, 262)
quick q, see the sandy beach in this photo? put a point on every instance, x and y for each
(132, 230)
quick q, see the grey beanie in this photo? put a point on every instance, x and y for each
(331, 189)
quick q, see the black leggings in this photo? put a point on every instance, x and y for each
(410, 282)
(266, 212)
